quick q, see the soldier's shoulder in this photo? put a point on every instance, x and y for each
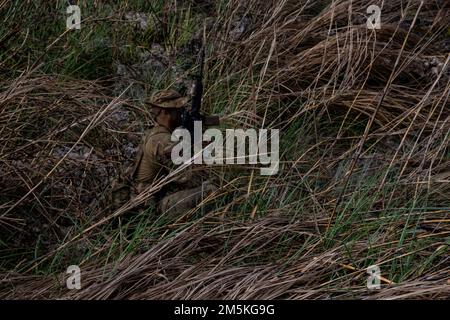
(157, 130)
(157, 133)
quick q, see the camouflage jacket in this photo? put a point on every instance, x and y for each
(153, 158)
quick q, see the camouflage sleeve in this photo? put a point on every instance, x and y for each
(164, 150)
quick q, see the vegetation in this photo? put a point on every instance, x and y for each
(364, 123)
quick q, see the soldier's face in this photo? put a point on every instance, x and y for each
(155, 112)
(175, 115)
(167, 117)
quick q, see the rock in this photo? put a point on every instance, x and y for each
(432, 67)
(129, 150)
(120, 116)
(435, 71)
(141, 20)
(240, 25)
(151, 68)
(78, 153)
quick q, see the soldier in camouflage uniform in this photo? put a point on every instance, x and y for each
(154, 158)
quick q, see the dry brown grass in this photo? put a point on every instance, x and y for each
(365, 172)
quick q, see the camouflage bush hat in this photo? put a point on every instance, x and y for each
(167, 99)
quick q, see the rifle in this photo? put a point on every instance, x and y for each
(189, 116)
